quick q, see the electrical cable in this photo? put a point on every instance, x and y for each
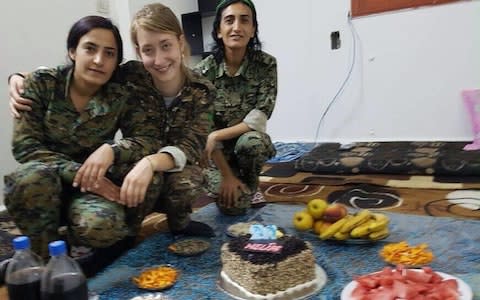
(340, 90)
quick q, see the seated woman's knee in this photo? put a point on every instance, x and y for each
(251, 143)
(32, 185)
(37, 174)
(100, 229)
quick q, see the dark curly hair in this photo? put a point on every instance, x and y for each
(253, 45)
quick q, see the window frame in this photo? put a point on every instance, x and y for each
(367, 7)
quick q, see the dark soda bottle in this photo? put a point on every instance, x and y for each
(62, 279)
(24, 271)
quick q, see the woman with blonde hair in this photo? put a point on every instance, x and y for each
(185, 102)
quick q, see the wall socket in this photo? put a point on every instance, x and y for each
(335, 40)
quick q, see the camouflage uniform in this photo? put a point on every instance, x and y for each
(53, 140)
(187, 121)
(247, 97)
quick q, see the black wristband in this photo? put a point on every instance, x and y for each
(116, 150)
(11, 75)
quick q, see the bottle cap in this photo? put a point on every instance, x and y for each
(21, 242)
(57, 248)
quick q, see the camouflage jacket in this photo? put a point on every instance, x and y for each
(253, 87)
(187, 122)
(55, 133)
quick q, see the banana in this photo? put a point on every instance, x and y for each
(332, 229)
(341, 236)
(378, 235)
(360, 217)
(362, 229)
(381, 221)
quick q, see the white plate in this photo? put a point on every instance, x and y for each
(352, 241)
(296, 293)
(465, 291)
(151, 296)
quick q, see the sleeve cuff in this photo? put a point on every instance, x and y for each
(256, 120)
(68, 172)
(179, 157)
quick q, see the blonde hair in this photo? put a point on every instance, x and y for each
(157, 17)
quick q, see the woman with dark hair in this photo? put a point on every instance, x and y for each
(246, 82)
(68, 173)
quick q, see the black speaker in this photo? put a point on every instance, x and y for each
(192, 27)
(207, 7)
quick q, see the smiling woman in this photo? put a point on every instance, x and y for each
(246, 82)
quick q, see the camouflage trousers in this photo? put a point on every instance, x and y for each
(246, 156)
(40, 203)
(179, 191)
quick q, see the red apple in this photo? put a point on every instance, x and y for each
(334, 212)
(320, 226)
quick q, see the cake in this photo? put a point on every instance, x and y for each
(267, 275)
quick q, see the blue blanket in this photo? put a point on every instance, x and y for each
(455, 243)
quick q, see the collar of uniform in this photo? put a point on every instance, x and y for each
(241, 71)
(96, 105)
(68, 81)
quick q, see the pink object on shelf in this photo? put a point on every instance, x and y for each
(471, 98)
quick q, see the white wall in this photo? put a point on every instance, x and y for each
(178, 8)
(410, 66)
(416, 63)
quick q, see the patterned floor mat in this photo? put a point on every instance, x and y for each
(433, 202)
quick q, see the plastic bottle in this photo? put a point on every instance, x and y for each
(24, 271)
(62, 279)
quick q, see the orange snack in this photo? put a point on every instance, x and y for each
(156, 278)
(402, 253)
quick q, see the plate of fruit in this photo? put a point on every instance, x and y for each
(334, 222)
(405, 283)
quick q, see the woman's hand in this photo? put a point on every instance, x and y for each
(94, 168)
(17, 103)
(231, 189)
(107, 189)
(136, 183)
(210, 145)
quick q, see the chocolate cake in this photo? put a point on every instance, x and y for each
(264, 273)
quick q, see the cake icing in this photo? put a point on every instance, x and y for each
(268, 274)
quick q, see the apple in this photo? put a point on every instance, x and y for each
(334, 212)
(302, 220)
(324, 227)
(320, 225)
(316, 207)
